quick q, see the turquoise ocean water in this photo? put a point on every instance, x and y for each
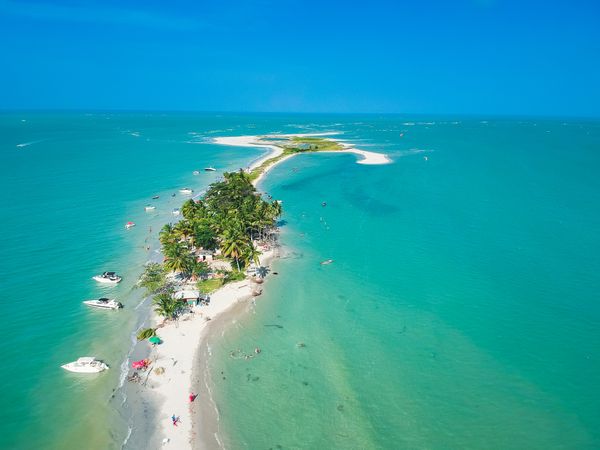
(461, 310)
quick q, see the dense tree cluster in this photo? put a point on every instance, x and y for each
(231, 216)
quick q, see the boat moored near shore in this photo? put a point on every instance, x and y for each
(104, 303)
(186, 191)
(86, 364)
(107, 278)
(129, 225)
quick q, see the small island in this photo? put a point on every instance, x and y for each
(215, 257)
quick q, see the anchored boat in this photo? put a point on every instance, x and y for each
(86, 364)
(108, 278)
(104, 303)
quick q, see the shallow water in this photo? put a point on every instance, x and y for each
(461, 310)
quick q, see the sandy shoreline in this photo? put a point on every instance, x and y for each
(177, 355)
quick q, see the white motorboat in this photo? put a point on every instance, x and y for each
(108, 278)
(85, 364)
(129, 225)
(196, 172)
(209, 169)
(186, 191)
(149, 208)
(104, 303)
(176, 212)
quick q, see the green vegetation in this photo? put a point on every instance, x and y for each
(165, 305)
(208, 286)
(314, 144)
(234, 275)
(231, 217)
(146, 333)
(297, 144)
(153, 279)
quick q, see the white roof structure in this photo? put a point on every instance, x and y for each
(187, 294)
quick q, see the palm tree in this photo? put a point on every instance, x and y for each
(199, 269)
(167, 234)
(166, 305)
(184, 229)
(153, 278)
(233, 243)
(178, 258)
(251, 253)
(191, 210)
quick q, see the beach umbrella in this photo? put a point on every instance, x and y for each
(154, 340)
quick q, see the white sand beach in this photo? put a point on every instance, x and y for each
(251, 141)
(176, 355)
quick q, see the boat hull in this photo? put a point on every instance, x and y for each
(93, 304)
(76, 368)
(106, 280)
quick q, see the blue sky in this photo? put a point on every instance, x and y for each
(438, 57)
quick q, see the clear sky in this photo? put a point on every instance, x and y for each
(462, 56)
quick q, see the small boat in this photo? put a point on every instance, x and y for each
(129, 225)
(156, 197)
(85, 364)
(108, 277)
(172, 195)
(187, 191)
(176, 212)
(104, 303)
(196, 172)
(209, 169)
(149, 208)
(327, 261)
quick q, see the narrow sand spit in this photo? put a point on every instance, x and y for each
(173, 383)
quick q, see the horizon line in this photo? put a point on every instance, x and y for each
(346, 113)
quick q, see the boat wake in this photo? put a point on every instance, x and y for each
(27, 144)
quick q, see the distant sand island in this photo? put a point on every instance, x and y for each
(284, 146)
